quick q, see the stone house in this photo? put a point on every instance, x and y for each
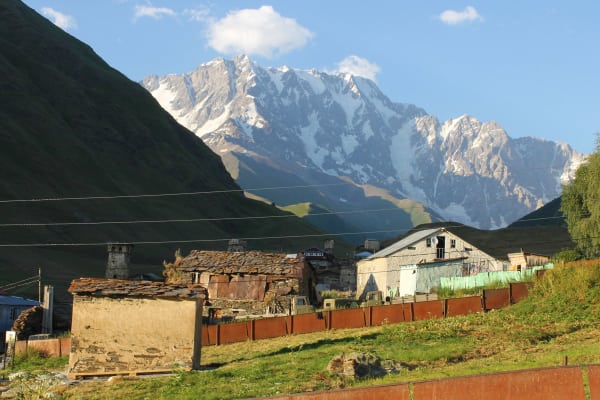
(245, 282)
(327, 270)
(415, 263)
(124, 327)
(332, 273)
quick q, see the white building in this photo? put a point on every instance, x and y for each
(415, 263)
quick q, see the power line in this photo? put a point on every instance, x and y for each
(397, 231)
(361, 211)
(12, 287)
(162, 221)
(136, 196)
(54, 199)
(199, 240)
(25, 282)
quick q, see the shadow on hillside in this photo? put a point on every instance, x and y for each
(308, 346)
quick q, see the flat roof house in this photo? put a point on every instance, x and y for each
(123, 327)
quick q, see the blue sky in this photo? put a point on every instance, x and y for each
(534, 67)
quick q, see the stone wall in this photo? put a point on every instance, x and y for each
(121, 335)
(348, 275)
(276, 299)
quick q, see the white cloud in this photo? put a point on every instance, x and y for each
(359, 66)
(198, 14)
(152, 12)
(452, 17)
(63, 21)
(262, 32)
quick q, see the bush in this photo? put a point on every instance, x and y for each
(567, 255)
(568, 292)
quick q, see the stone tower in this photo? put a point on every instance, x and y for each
(118, 260)
(236, 245)
(328, 246)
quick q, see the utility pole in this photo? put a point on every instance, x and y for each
(39, 285)
(48, 309)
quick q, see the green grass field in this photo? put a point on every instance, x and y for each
(561, 318)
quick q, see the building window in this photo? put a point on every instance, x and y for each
(428, 242)
(411, 248)
(440, 252)
(452, 243)
(195, 277)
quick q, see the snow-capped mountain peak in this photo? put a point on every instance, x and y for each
(319, 126)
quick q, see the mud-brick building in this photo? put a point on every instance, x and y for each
(245, 282)
(124, 327)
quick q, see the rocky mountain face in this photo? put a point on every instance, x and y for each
(353, 148)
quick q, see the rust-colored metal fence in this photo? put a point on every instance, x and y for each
(338, 319)
(362, 317)
(463, 306)
(49, 347)
(593, 372)
(535, 384)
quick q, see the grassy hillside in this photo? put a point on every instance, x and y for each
(72, 126)
(549, 214)
(561, 318)
(321, 216)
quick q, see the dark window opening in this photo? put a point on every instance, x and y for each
(441, 247)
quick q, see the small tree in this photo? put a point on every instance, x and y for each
(581, 206)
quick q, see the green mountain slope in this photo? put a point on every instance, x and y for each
(388, 213)
(72, 126)
(549, 214)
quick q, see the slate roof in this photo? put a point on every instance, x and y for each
(246, 262)
(98, 287)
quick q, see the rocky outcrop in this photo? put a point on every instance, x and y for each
(361, 365)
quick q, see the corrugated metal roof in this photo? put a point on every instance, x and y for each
(498, 243)
(17, 301)
(405, 242)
